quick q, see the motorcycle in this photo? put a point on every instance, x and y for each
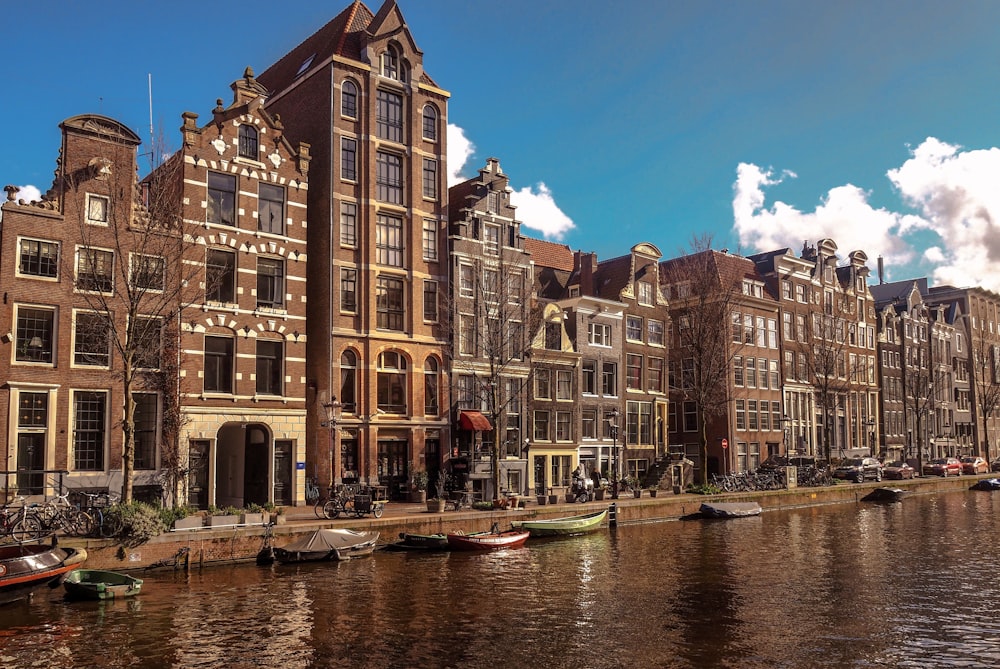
(583, 489)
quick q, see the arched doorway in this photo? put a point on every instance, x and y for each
(243, 465)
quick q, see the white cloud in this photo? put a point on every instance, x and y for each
(460, 149)
(538, 210)
(29, 194)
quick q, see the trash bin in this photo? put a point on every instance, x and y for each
(791, 477)
(681, 475)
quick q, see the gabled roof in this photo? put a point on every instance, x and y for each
(727, 270)
(549, 254)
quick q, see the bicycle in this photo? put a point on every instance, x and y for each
(103, 524)
(18, 523)
(60, 515)
(341, 502)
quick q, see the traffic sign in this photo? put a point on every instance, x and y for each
(725, 443)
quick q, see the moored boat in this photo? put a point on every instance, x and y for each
(328, 544)
(730, 509)
(427, 542)
(569, 525)
(100, 584)
(487, 541)
(24, 567)
(986, 484)
(884, 495)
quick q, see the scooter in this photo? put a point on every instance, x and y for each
(583, 489)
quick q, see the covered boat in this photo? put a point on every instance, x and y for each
(328, 544)
(581, 524)
(427, 542)
(884, 495)
(99, 584)
(729, 509)
(487, 541)
(25, 567)
(986, 484)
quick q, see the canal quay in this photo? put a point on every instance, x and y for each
(204, 547)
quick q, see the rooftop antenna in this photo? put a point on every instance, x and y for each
(152, 141)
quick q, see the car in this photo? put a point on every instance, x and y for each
(943, 467)
(995, 465)
(974, 465)
(897, 469)
(859, 469)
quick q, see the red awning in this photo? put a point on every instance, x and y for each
(474, 421)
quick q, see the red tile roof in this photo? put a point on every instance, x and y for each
(549, 254)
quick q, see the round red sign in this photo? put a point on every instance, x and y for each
(725, 443)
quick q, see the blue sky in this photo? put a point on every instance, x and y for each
(762, 124)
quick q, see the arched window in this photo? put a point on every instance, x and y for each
(430, 387)
(393, 66)
(349, 382)
(392, 382)
(248, 142)
(430, 123)
(349, 99)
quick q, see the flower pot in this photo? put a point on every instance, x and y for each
(599, 495)
(570, 497)
(543, 500)
(435, 505)
(652, 492)
(553, 499)
(279, 518)
(637, 493)
(418, 496)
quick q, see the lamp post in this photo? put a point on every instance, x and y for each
(870, 424)
(331, 408)
(783, 423)
(612, 418)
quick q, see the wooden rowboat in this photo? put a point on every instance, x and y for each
(99, 584)
(587, 522)
(329, 544)
(24, 567)
(426, 542)
(730, 509)
(487, 541)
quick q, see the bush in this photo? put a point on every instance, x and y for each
(139, 522)
(707, 489)
(170, 514)
(482, 506)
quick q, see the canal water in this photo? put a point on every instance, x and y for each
(913, 584)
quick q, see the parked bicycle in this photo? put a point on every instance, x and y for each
(342, 501)
(17, 522)
(96, 506)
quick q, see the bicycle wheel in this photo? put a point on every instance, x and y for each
(377, 511)
(111, 526)
(319, 508)
(26, 527)
(83, 524)
(331, 509)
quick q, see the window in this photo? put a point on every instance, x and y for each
(270, 354)
(589, 377)
(786, 289)
(654, 375)
(349, 99)
(775, 374)
(466, 281)
(392, 370)
(687, 373)
(348, 159)
(553, 336)
(493, 202)
(646, 292)
(633, 372)
(348, 289)
(751, 377)
(89, 430)
(146, 422)
(654, 331)
(218, 364)
(564, 430)
(389, 177)
(543, 384)
(220, 276)
(389, 116)
(221, 198)
(564, 384)
(97, 209)
(348, 224)
(599, 334)
(38, 258)
(34, 334)
(389, 303)
(467, 334)
(271, 209)
(588, 424)
(609, 379)
(466, 391)
(247, 147)
(95, 270)
(430, 387)
(762, 373)
(270, 282)
(430, 123)
(430, 178)
(491, 239)
(147, 337)
(389, 240)
(633, 328)
(752, 415)
(430, 300)
(541, 431)
(691, 417)
(349, 382)
(491, 284)
(800, 293)
(148, 272)
(91, 339)
(304, 66)
(430, 241)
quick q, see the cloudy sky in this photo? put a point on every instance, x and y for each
(763, 124)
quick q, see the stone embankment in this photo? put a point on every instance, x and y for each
(212, 546)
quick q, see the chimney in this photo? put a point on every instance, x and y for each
(585, 263)
(881, 270)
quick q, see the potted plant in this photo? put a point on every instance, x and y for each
(252, 515)
(436, 503)
(543, 500)
(419, 481)
(599, 492)
(225, 516)
(652, 492)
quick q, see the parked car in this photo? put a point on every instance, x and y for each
(859, 469)
(974, 465)
(995, 465)
(943, 467)
(897, 469)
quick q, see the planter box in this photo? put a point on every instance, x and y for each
(418, 496)
(637, 493)
(599, 495)
(652, 492)
(543, 500)
(279, 519)
(189, 523)
(216, 521)
(435, 505)
(252, 519)
(553, 499)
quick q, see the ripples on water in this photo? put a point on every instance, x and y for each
(904, 585)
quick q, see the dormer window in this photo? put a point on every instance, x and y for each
(248, 142)
(390, 64)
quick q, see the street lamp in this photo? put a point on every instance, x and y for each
(331, 408)
(783, 424)
(612, 418)
(870, 423)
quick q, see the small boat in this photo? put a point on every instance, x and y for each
(487, 541)
(24, 567)
(328, 544)
(986, 484)
(587, 522)
(884, 495)
(418, 542)
(729, 509)
(99, 584)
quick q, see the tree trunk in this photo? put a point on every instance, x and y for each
(128, 443)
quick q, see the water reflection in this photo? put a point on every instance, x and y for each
(904, 585)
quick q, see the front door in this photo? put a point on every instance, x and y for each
(540, 486)
(30, 463)
(256, 466)
(393, 469)
(283, 472)
(198, 473)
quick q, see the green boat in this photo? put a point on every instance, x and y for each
(569, 525)
(98, 584)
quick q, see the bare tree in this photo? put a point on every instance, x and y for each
(985, 362)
